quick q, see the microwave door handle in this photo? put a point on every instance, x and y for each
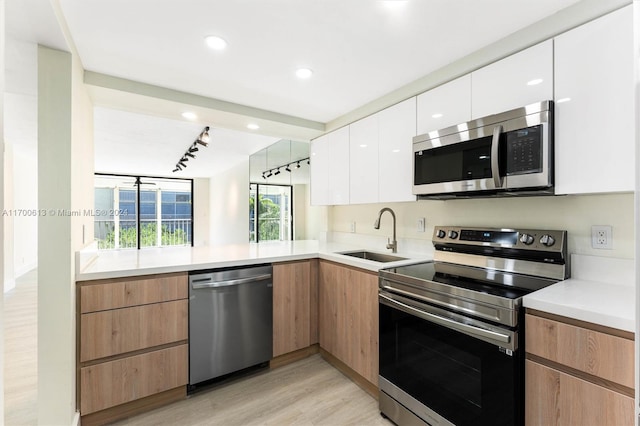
(495, 161)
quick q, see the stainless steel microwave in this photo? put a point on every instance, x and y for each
(510, 153)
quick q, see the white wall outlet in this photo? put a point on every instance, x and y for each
(602, 237)
(421, 223)
(352, 226)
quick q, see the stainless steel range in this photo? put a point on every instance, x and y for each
(451, 331)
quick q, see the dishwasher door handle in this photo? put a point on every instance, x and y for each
(207, 283)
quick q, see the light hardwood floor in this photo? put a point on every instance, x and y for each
(21, 352)
(308, 392)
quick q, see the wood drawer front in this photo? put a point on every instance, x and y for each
(556, 398)
(117, 382)
(600, 354)
(121, 293)
(108, 333)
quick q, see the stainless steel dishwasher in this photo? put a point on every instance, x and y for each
(230, 321)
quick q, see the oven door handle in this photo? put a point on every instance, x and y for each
(495, 160)
(446, 322)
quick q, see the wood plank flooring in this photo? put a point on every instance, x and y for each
(21, 352)
(308, 392)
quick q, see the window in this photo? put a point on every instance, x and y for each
(134, 212)
(271, 217)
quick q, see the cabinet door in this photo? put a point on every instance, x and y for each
(594, 128)
(363, 164)
(338, 160)
(396, 129)
(119, 331)
(444, 106)
(291, 307)
(117, 382)
(518, 80)
(555, 398)
(319, 171)
(349, 317)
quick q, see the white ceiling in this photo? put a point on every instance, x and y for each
(359, 50)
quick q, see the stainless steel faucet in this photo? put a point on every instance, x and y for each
(393, 245)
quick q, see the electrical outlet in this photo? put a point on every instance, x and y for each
(602, 237)
(352, 226)
(421, 223)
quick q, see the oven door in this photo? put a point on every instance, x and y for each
(448, 369)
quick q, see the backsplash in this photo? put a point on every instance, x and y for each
(574, 213)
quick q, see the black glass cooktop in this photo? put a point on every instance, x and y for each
(497, 283)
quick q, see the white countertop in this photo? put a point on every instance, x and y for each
(124, 263)
(601, 291)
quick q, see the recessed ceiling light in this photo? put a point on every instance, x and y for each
(437, 115)
(395, 150)
(304, 73)
(215, 42)
(253, 126)
(363, 145)
(189, 115)
(534, 81)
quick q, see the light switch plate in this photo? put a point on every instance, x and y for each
(421, 224)
(352, 226)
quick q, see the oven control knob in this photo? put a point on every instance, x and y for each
(547, 240)
(526, 239)
(453, 234)
(441, 233)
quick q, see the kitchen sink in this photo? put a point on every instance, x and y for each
(370, 255)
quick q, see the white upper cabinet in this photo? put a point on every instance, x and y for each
(444, 106)
(397, 127)
(319, 171)
(363, 151)
(594, 128)
(329, 168)
(518, 80)
(339, 166)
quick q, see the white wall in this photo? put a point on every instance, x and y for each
(201, 208)
(576, 214)
(229, 206)
(65, 182)
(25, 197)
(8, 234)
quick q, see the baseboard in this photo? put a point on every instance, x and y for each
(294, 356)
(365, 384)
(76, 419)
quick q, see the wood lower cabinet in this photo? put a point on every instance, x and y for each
(295, 301)
(577, 373)
(348, 316)
(132, 345)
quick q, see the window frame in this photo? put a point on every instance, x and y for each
(138, 183)
(257, 210)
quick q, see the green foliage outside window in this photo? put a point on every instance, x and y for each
(148, 237)
(269, 218)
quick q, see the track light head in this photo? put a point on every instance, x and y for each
(181, 163)
(298, 165)
(184, 159)
(307, 161)
(188, 154)
(263, 176)
(277, 171)
(204, 136)
(288, 168)
(269, 174)
(193, 148)
(177, 169)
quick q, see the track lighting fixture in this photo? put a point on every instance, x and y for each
(203, 139)
(268, 173)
